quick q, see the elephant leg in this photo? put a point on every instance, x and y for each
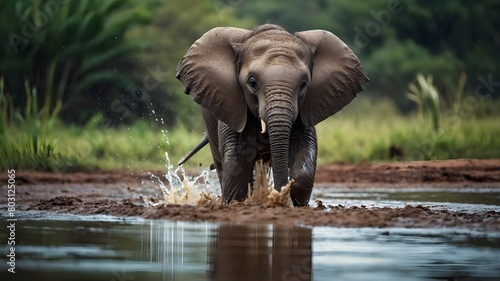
(212, 130)
(237, 167)
(303, 154)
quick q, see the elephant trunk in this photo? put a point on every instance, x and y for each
(280, 116)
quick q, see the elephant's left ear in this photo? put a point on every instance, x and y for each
(337, 76)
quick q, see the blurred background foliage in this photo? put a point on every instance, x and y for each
(101, 64)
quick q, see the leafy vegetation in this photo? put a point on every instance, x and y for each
(91, 84)
(70, 51)
(23, 134)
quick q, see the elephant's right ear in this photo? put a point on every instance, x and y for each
(208, 72)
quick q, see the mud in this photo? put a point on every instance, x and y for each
(123, 193)
(415, 172)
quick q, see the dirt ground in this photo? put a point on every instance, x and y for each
(122, 193)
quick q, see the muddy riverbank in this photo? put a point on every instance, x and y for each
(122, 193)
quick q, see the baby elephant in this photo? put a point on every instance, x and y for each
(261, 92)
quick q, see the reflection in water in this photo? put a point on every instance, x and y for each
(261, 252)
(180, 249)
(229, 252)
(117, 250)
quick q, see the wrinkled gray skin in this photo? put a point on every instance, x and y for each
(290, 82)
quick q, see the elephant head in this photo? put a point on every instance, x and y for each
(273, 75)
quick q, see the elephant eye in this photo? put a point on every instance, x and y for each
(252, 83)
(303, 85)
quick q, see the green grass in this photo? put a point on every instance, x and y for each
(74, 149)
(363, 131)
(138, 147)
(24, 143)
(353, 140)
(367, 132)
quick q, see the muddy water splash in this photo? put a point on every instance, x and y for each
(263, 190)
(183, 189)
(204, 189)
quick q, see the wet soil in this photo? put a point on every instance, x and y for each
(122, 193)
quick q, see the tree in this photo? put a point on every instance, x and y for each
(72, 52)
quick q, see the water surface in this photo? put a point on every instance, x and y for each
(469, 200)
(70, 247)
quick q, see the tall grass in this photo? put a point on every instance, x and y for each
(366, 132)
(426, 95)
(25, 144)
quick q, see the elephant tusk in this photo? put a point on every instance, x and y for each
(263, 125)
